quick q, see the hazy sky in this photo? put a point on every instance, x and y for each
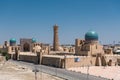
(35, 18)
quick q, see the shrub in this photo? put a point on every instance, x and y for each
(7, 56)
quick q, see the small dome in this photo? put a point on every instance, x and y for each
(91, 35)
(33, 40)
(12, 40)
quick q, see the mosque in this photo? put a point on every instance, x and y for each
(90, 46)
(84, 52)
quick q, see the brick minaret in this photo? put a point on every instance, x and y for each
(56, 40)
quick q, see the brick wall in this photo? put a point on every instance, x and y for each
(51, 61)
(28, 58)
(84, 61)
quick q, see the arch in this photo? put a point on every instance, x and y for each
(26, 47)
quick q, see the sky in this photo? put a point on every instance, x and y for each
(36, 18)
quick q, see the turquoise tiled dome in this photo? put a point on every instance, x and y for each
(91, 35)
(12, 40)
(33, 40)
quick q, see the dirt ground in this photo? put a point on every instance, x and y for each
(10, 71)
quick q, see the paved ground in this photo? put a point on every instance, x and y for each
(112, 72)
(11, 71)
(66, 74)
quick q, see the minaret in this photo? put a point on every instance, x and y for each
(56, 40)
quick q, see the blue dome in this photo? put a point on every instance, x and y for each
(12, 40)
(33, 40)
(91, 35)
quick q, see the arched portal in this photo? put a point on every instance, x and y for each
(26, 47)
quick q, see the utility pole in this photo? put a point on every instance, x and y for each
(87, 73)
(35, 71)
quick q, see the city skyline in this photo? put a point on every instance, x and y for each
(35, 19)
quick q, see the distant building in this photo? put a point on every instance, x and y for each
(26, 45)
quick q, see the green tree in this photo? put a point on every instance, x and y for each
(7, 56)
